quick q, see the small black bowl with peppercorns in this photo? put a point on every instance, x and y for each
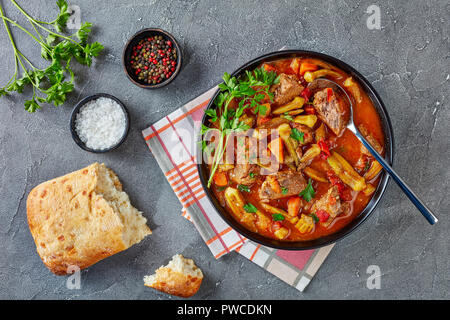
(152, 58)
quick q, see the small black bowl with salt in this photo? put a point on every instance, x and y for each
(99, 123)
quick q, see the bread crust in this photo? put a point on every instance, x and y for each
(176, 283)
(72, 224)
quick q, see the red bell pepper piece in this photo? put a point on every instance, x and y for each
(322, 215)
(329, 94)
(344, 192)
(302, 81)
(306, 93)
(325, 150)
(269, 67)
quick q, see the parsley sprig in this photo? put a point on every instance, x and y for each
(248, 207)
(315, 217)
(250, 90)
(50, 85)
(308, 193)
(287, 116)
(277, 217)
(297, 135)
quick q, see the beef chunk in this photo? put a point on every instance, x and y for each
(308, 133)
(287, 89)
(291, 182)
(331, 112)
(373, 142)
(331, 203)
(241, 173)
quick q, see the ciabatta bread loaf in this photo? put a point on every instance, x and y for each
(81, 218)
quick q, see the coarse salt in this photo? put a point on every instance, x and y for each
(100, 123)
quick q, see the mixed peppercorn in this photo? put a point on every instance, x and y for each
(154, 59)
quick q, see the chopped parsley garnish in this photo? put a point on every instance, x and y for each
(315, 217)
(204, 129)
(251, 174)
(220, 189)
(367, 166)
(203, 144)
(243, 188)
(250, 208)
(277, 217)
(308, 193)
(212, 114)
(287, 116)
(261, 109)
(297, 135)
(284, 190)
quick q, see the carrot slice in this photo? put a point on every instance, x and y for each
(293, 206)
(306, 66)
(220, 179)
(268, 67)
(276, 147)
(325, 150)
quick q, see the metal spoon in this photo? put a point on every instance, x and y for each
(426, 212)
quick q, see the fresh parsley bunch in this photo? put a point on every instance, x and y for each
(50, 85)
(250, 89)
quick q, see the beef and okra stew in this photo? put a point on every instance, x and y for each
(279, 156)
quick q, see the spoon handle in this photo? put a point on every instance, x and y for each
(426, 212)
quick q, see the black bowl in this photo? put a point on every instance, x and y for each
(356, 222)
(126, 55)
(73, 117)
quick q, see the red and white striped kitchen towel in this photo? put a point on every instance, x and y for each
(172, 140)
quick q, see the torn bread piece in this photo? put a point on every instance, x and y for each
(81, 218)
(181, 277)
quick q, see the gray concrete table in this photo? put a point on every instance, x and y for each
(407, 61)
